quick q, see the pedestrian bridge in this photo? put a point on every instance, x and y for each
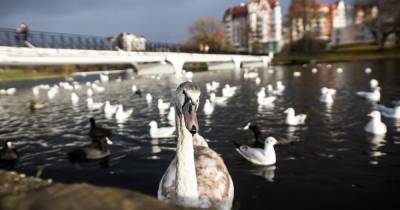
(22, 56)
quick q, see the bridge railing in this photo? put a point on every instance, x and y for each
(8, 37)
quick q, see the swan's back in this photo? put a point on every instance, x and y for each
(214, 182)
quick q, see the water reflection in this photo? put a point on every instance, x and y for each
(268, 172)
(376, 142)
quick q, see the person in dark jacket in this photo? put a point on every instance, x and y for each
(22, 34)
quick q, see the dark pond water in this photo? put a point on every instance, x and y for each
(331, 163)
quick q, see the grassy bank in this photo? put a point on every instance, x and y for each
(352, 53)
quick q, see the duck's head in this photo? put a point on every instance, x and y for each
(187, 99)
(271, 140)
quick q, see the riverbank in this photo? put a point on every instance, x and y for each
(346, 54)
(19, 192)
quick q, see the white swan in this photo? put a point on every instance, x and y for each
(122, 115)
(292, 119)
(375, 125)
(163, 105)
(156, 132)
(208, 107)
(259, 156)
(197, 177)
(372, 96)
(390, 112)
(93, 105)
(74, 99)
(149, 98)
(109, 109)
(218, 100)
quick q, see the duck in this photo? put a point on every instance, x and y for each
(208, 108)
(258, 156)
(96, 132)
(163, 105)
(122, 115)
(218, 100)
(74, 99)
(93, 105)
(292, 119)
(90, 153)
(390, 112)
(8, 154)
(197, 176)
(375, 126)
(36, 105)
(373, 96)
(171, 115)
(134, 88)
(164, 132)
(97, 88)
(109, 110)
(149, 98)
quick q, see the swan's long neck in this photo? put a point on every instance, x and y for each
(186, 184)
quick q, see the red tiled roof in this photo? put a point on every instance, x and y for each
(237, 11)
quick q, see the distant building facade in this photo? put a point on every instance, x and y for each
(255, 26)
(320, 19)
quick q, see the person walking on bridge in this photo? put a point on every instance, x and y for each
(22, 33)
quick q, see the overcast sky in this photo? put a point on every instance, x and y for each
(157, 20)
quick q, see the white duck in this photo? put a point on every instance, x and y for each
(375, 95)
(122, 115)
(208, 108)
(93, 105)
(163, 105)
(197, 176)
(292, 119)
(375, 125)
(74, 99)
(259, 156)
(390, 112)
(109, 109)
(164, 132)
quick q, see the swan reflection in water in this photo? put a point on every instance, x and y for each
(155, 149)
(376, 142)
(268, 172)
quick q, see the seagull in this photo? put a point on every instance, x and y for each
(218, 100)
(375, 125)
(156, 132)
(265, 156)
(93, 105)
(292, 119)
(163, 105)
(374, 96)
(149, 98)
(74, 99)
(122, 115)
(109, 109)
(208, 108)
(373, 83)
(390, 112)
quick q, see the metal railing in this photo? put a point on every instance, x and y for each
(9, 37)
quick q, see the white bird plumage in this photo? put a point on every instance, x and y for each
(109, 110)
(208, 107)
(164, 132)
(74, 99)
(149, 98)
(390, 112)
(292, 119)
(258, 156)
(163, 105)
(122, 115)
(93, 105)
(375, 125)
(228, 91)
(374, 96)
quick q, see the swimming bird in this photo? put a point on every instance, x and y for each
(163, 105)
(258, 80)
(375, 125)
(208, 108)
(134, 88)
(104, 77)
(52, 92)
(266, 101)
(292, 119)
(249, 74)
(74, 99)
(149, 98)
(280, 86)
(257, 134)
(8, 154)
(213, 86)
(271, 90)
(218, 100)
(373, 83)
(122, 115)
(374, 96)
(89, 92)
(36, 91)
(35, 105)
(93, 105)
(97, 88)
(390, 112)
(109, 109)
(228, 91)
(261, 93)
(327, 95)
(11, 91)
(101, 151)
(96, 132)
(171, 115)
(265, 156)
(164, 132)
(197, 177)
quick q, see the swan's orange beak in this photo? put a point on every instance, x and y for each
(190, 116)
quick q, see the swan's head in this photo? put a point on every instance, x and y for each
(289, 111)
(375, 114)
(271, 140)
(187, 102)
(153, 123)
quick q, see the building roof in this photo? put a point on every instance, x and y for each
(238, 11)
